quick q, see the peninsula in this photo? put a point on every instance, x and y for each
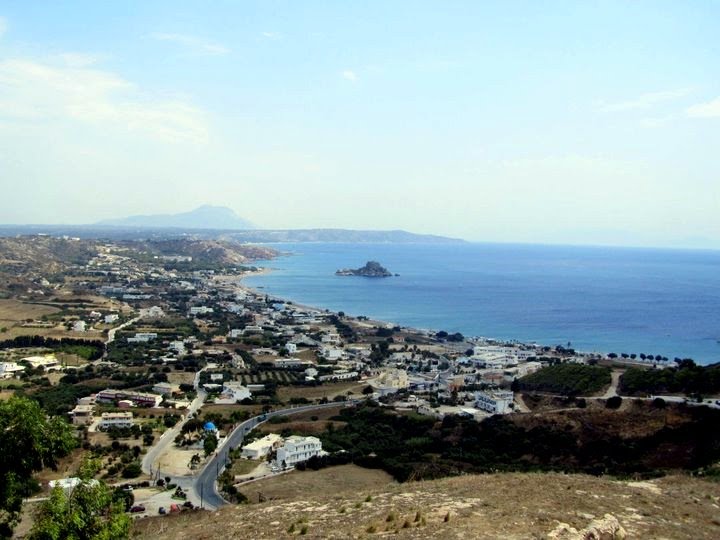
(371, 269)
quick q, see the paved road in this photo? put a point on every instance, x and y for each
(205, 483)
(168, 437)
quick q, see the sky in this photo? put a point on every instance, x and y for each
(508, 121)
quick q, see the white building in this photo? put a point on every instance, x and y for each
(331, 353)
(143, 337)
(48, 362)
(291, 363)
(291, 348)
(297, 449)
(235, 333)
(165, 389)
(154, 312)
(232, 392)
(330, 337)
(262, 447)
(79, 326)
(177, 346)
(113, 317)
(495, 402)
(10, 369)
(82, 415)
(115, 420)
(200, 310)
(339, 376)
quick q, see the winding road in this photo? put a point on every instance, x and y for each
(202, 487)
(205, 484)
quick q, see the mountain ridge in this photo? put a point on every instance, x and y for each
(202, 217)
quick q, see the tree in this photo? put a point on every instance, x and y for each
(367, 390)
(29, 442)
(91, 510)
(210, 443)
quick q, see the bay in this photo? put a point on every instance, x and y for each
(621, 300)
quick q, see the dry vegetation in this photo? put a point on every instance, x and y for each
(342, 481)
(504, 506)
(328, 390)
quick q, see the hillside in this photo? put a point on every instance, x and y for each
(207, 251)
(341, 236)
(508, 506)
(46, 251)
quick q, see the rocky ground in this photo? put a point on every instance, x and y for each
(504, 506)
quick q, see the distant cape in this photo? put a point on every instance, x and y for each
(203, 217)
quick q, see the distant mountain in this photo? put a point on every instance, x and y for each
(204, 217)
(338, 235)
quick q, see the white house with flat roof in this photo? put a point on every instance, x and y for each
(82, 415)
(297, 449)
(10, 369)
(142, 337)
(48, 362)
(495, 402)
(232, 392)
(262, 447)
(110, 420)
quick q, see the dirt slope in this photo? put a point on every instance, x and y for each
(504, 506)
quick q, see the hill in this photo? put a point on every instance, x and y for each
(203, 217)
(508, 506)
(340, 236)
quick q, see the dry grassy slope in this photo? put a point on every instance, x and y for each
(504, 506)
(214, 251)
(44, 253)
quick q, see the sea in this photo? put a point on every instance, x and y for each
(601, 299)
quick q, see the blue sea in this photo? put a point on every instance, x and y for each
(622, 300)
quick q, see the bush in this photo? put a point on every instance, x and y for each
(133, 470)
(613, 402)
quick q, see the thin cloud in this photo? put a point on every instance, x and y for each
(645, 101)
(195, 43)
(271, 35)
(710, 109)
(350, 75)
(43, 93)
(3, 26)
(79, 60)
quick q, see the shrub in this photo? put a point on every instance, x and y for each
(132, 470)
(613, 402)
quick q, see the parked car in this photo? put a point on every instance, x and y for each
(137, 508)
(162, 511)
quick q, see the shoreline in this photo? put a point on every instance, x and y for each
(369, 322)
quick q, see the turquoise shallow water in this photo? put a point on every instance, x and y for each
(648, 301)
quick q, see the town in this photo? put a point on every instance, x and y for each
(189, 386)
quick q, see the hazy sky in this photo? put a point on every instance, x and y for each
(579, 122)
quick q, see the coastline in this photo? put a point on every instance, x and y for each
(370, 323)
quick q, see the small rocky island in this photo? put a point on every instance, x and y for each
(371, 269)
